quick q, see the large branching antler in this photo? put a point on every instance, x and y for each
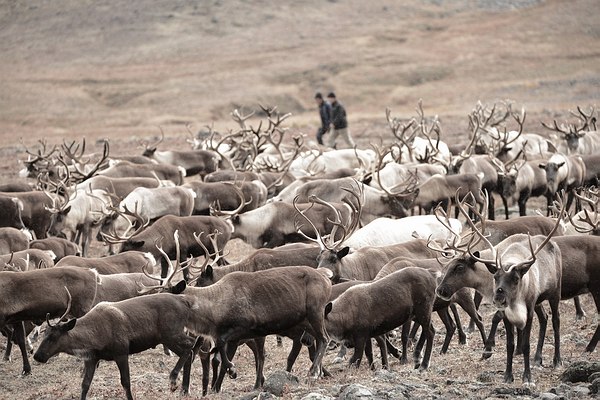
(210, 259)
(347, 228)
(76, 166)
(587, 221)
(138, 220)
(174, 268)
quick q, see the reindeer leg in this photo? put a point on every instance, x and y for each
(556, 328)
(359, 347)
(491, 340)
(404, 337)
(462, 336)
(294, 352)
(227, 352)
(523, 202)
(391, 348)
(89, 368)
(477, 298)
(594, 341)
(491, 205)
(183, 346)
(543, 319)
(215, 363)
(527, 349)
(369, 354)
(258, 349)
(510, 349)
(505, 203)
(381, 342)
(123, 364)
(18, 336)
(580, 314)
(470, 308)
(413, 331)
(8, 332)
(419, 347)
(448, 324)
(430, 333)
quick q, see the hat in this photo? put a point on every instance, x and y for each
(331, 95)
(318, 95)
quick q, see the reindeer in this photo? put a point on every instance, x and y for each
(194, 162)
(12, 239)
(413, 148)
(128, 261)
(377, 203)
(564, 173)
(274, 223)
(363, 264)
(581, 140)
(440, 189)
(386, 231)
(27, 210)
(26, 260)
(31, 295)
(59, 246)
(121, 187)
(523, 278)
(226, 318)
(74, 218)
(372, 309)
(227, 196)
(520, 182)
(144, 239)
(113, 331)
(261, 259)
(147, 204)
(126, 169)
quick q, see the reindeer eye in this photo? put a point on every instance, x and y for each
(460, 267)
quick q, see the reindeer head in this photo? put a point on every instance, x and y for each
(332, 250)
(554, 175)
(52, 342)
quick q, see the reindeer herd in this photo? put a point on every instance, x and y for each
(350, 244)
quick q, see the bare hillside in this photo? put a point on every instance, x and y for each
(72, 68)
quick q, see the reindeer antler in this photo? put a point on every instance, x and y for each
(67, 311)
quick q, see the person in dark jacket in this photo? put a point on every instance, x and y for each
(339, 123)
(325, 114)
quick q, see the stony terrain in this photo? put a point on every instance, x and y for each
(119, 69)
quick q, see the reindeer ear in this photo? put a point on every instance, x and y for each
(67, 209)
(235, 219)
(179, 288)
(493, 268)
(137, 243)
(343, 252)
(328, 309)
(67, 326)
(560, 164)
(208, 272)
(368, 179)
(542, 165)
(522, 269)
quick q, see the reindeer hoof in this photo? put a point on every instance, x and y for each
(26, 372)
(232, 373)
(486, 354)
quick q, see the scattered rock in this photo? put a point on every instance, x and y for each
(580, 392)
(385, 375)
(316, 396)
(259, 396)
(280, 382)
(513, 391)
(548, 396)
(486, 376)
(593, 377)
(595, 386)
(580, 371)
(561, 389)
(356, 392)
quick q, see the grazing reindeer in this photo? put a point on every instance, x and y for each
(59, 246)
(280, 299)
(365, 263)
(523, 278)
(113, 331)
(375, 308)
(12, 239)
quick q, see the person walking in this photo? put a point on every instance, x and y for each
(339, 123)
(325, 114)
